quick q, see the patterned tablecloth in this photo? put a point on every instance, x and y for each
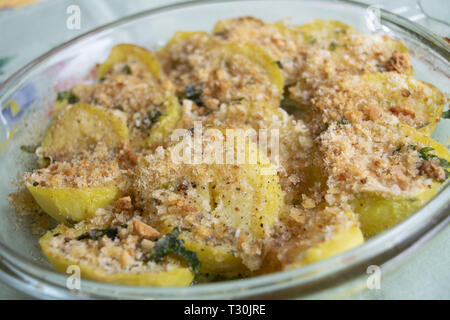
(425, 276)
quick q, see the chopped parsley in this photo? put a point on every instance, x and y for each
(279, 64)
(126, 69)
(171, 244)
(398, 149)
(96, 234)
(446, 114)
(333, 45)
(153, 116)
(194, 93)
(67, 95)
(426, 155)
(312, 40)
(343, 122)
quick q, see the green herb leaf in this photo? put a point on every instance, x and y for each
(446, 114)
(193, 93)
(126, 69)
(425, 154)
(171, 244)
(279, 64)
(67, 95)
(397, 149)
(312, 40)
(96, 234)
(154, 115)
(343, 122)
(333, 45)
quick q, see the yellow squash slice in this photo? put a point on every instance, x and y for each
(319, 31)
(402, 93)
(377, 213)
(73, 204)
(166, 123)
(80, 127)
(176, 275)
(257, 55)
(245, 197)
(343, 239)
(226, 52)
(122, 52)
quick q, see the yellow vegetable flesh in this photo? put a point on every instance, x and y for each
(80, 127)
(377, 213)
(425, 100)
(122, 52)
(324, 30)
(166, 123)
(73, 204)
(252, 52)
(245, 197)
(346, 237)
(175, 276)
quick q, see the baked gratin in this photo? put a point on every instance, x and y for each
(352, 156)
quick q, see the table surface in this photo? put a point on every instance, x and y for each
(426, 276)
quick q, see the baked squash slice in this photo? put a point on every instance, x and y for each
(377, 213)
(223, 210)
(323, 32)
(245, 69)
(71, 192)
(344, 237)
(80, 127)
(124, 51)
(160, 116)
(169, 273)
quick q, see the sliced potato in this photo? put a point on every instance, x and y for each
(377, 213)
(80, 127)
(73, 204)
(121, 52)
(176, 275)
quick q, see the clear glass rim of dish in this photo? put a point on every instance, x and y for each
(23, 273)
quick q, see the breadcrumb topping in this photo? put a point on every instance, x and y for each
(339, 125)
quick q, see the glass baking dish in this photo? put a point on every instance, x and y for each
(27, 96)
